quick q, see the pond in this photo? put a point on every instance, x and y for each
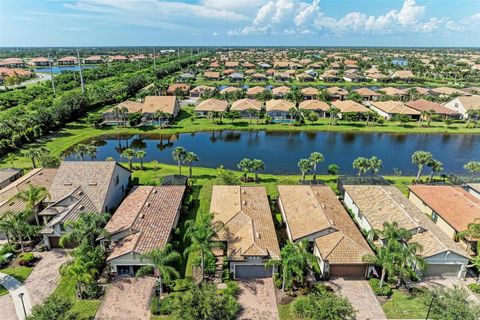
(281, 150)
(60, 69)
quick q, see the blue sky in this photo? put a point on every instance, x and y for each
(240, 22)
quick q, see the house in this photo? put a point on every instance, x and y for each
(231, 64)
(282, 76)
(319, 107)
(367, 94)
(93, 60)
(390, 109)
(280, 92)
(211, 75)
(281, 64)
(404, 75)
(176, 89)
(211, 105)
(305, 77)
(329, 76)
(353, 76)
(377, 76)
(9, 175)
(372, 205)
(309, 93)
(337, 93)
(168, 105)
(253, 92)
(246, 106)
(12, 63)
(230, 90)
(186, 76)
(394, 92)
(142, 223)
(236, 76)
(349, 106)
(279, 110)
(463, 104)
(39, 62)
(67, 61)
(258, 77)
(447, 91)
(247, 229)
(199, 90)
(114, 116)
(315, 214)
(422, 105)
(451, 208)
(228, 72)
(82, 186)
(118, 58)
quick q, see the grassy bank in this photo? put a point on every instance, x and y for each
(85, 309)
(19, 273)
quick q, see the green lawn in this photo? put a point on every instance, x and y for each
(404, 306)
(19, 273)
(285, 313)
(3, 291)
(86, 309)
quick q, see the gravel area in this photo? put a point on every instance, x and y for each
(257, 299)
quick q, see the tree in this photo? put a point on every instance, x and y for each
(436, 166)
(32, 154)
(11, 158)
(257, 165)
(32, 196)
(473, 167)
(362, 164)
(86, 229)
(91, 151)
(190, 158)
(334, 112)
(421, 159)
(162, 259)
(129, 154)
(245, 165)
(81, 151)
(305, 166)
(315, 158)
(427, 116)
(375, 164)
(18, 226)
(160, 116)
(140, 155)
(452, 303)
(178, 155)
(200, 234)
(333, 169)
(84, 272)
(382, 259)
(54, 307)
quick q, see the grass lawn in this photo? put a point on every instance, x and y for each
(405, 306)
(86, 309)
(3, 291)
(19, 273)
(285, 313)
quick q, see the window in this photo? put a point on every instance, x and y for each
(62, 227)
(456, 104)
(434, 216)
(117, 180)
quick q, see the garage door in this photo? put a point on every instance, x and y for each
(256, 271)
(443, 270)
(340, 270)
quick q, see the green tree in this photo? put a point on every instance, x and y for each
(178, 155)
(333, 169)
(162, 260)
(140, 155)
(245, 165)
(257, 165)
(32, 154)
(435, 166)
(32, 196)
(473, 167)
(315, 158)
(421, 159)
(54, 307)
(375, 164)
(452, 303)
(86, 229)
(362, 164)
(18, 226)
(83, 272)
(11, 158)
(129, 154)
(190, 158)
(334, 112)
(305, 165)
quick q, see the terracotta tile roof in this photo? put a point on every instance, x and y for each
(448, 91)
(132, 106)
(366, 92)
(309, 91)
(211, 74)
(280, 90)
(391, 91)
(68, 59)
(337, 91)
(249, 229)
(472, 102)
(182, 86)
(314, 105)
(425, 105)
(149, 213)
(255, 90)
(93, 176)
(214, 105)
(202, 88)
(337, 248)
(279, 104)
(165, 104)
(403, 74)
(349, 106)
(394, 107)
(37, 177)
(246, 104)
(455, 205)
(230, 89)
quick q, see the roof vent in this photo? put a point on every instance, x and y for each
(81, 207)
(155, 191)
(67, 184)
(323, 206)
(92, 183)
(258, 235)
(243, 191)
(148, 205)
(244, 202)
(142, 215)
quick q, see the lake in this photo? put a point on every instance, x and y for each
(60, 69)
(281, 150)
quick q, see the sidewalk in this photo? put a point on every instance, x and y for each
(15, 288)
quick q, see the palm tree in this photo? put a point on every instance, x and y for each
(315, 158)
(16, 224)
(436, 166)
(362, 164)
(427, 115)
(91, 151)
(81, 150)
(11, 158)
(257, 165)
(162, 259)
(32, 154)
(140, 155)
(86, 229)
(178, 155)
(116, 111)
(383, 259)
(32, 196)
(200, 234)
(246, 166)
(420, 159)
(473, 167)
(83, 272)
(129, 154)
(190, 157)
(304, 165)
(160, 115)
(334, 112)
(123, 111)
(375, 164)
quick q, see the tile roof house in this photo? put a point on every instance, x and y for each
(372, 205)
(111, 116)
(211, 105)
(315, 214)
(165, 104)
(426, 105)
(199, 90)
(280, 92)
(142, 223)
(309, 92)
(9, 175)
(244, 106)
(463, 104)
(95, 186)
(247, 229)
(391, 91)
(349, 106)
(320, 107)
(39, 62)
(279, 109)
(452, 208)
(66, 61)
(93, 59)
(390, 109)
(211, 75)
(252, 92)
(367, 94)
(404, 75)
(174, 88)
(337, 93)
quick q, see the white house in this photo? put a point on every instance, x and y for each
(464, 103)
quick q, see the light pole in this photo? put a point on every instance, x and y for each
(430, 307)
(23, 304)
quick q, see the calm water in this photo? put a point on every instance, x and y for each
(60, 69)
(281, 150)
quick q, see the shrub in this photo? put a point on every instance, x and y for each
(182, 284)
(227, 177)
(26, 259)
(92, 291)
(7, 248)
(474, 287)
(385, 290)
(54, 307)
(232, 288)
(164, 306)
(208, 262)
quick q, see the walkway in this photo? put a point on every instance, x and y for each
(16, 288)
(257, 299)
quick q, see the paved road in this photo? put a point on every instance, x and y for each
(40, 77)
(16, 288)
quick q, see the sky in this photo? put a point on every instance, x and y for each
(394, 23)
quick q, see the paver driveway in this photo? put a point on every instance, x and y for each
(127, 299)
(7, 308)
(359, 293)
(257, 299)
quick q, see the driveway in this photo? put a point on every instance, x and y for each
(7, 308)
(439, 282)
(127, 299)
(361, 296)
(257, 299)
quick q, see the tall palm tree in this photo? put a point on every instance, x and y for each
(315, 158)
(178, 155)
(246, 166)
(32, 154)
(190, 157)
(383, 259)
(81, 150)
(83, 272)
(375, 164)
(305, 166)
(473, 167)
(86, 229)
(420, 159)
(334, 112)
(435, 166)
(257, 165)
(162, 259)
(91, 151)
(32, 197)
(140, 155)
(116, 111)
(18, 226)
(362, 164)
(129, 154)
